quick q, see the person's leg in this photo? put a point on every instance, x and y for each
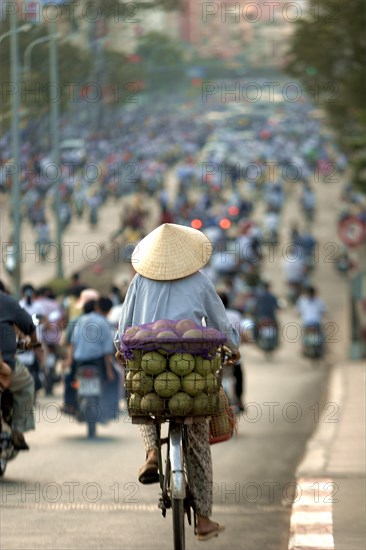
(148, 472)
(149, 435)
(22, 388)
(70, 393)
(239, 384)
(200, 468)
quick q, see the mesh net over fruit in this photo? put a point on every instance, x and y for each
(171, 336)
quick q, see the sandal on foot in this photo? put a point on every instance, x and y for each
(210, 534)
(149, 473)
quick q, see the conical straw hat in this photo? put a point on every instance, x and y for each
(171, 252)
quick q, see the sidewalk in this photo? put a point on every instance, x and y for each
(331, 511)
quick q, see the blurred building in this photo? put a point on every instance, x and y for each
(82, 22)
(214, 29)
(122, 30)
(258, 31)
(233, 30)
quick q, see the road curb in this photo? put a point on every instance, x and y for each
(319, 446)
(311, 524)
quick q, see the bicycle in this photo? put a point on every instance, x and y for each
(175, 477)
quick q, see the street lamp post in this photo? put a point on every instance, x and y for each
(14, 67)
(19, 29)
(54, 126)
(14, 64)
(28, 52)
(55, 140)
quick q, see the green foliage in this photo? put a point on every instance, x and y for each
(119, 73)
(328, 54)
(167, 5)
(74, 66)
(157, 49)
(359, 172)
(162, 60)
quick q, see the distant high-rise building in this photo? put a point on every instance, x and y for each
(230, 29)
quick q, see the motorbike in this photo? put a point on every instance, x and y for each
(46, 377)
(309, 213)
(49, 374)
(97, 398)
(313, 342)
(89, 392)
(267, 335)
(343, 264)
(293, 292)
(7, 450)
(270, 237)
(28, 358)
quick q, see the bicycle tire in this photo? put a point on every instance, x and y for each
(3, 464)
(175, 466)
(178, 523)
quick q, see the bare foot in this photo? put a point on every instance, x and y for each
(206, 525)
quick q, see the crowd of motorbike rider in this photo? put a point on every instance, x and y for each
(58, 326)
(226, 209)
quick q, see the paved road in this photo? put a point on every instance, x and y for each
(83, 245)
(73, 493)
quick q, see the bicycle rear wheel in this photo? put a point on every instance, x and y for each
(177, 483)
(178, 523)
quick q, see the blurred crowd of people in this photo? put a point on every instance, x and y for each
(131, 156)
(233, 178)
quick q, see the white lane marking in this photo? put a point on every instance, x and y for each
(153, 508)
(311, 518)
(312, 515)
(320, 542)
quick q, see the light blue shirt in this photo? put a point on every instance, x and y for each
(191, 297)
(92, 337)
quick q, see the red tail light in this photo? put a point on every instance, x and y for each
(87, 373)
